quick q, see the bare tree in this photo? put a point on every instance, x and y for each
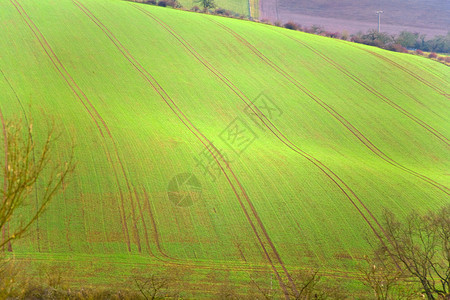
(207, 4)
(421, 246)
(381, 275)
(24, 164)
(307, 285)
(156, 287)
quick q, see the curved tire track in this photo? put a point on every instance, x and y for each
(5, 176)
(34, 161)
(360, 136)
(135, 226)
(343, 187)
(33, 152)
(375, 92)
(86, 103)
(406, 70)
(232, 179)
(141, 214)
(330, 174)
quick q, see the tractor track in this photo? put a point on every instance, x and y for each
(406, 70)
(202, 138)
(336, 273)
(374, 92)
(33, 152)
(135, 227)
(370, 145)
(155, 228)
(271, 126)
(141, 214)
(74, 87)
(410, 95)
(166, 259)
(280, 135)
(5, 174)
(360, 136)
(173, 260)
(255, 213)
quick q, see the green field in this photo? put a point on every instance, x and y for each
(337, 132)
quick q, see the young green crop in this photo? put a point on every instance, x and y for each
(175, 165)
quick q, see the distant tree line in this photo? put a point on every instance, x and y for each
(206, 6)
(406, 39)
(163, 3)
(400, 43)
(405, 42)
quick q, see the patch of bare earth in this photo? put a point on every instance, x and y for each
(427, 17)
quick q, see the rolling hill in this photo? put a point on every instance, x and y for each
(216, 145)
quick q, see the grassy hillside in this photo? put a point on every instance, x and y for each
(155, 97)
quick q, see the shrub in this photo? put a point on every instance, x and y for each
(162, 3)
(195, 8)
(308, 30)
(447, 59)
(404, 50)
(316, 29)
(397, 48)
(441, 58)
(173, 3)
(223, 12)
(277, 23)
(419, 52)
(356, 39)
(152, 2)
(344, 35)
(291, 25)
(432, 55)
(376, 43)
(330, 34)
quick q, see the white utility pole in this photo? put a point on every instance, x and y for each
(379, 12)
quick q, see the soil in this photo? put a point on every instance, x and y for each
(431, 17)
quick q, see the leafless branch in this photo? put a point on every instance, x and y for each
(25, 163)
